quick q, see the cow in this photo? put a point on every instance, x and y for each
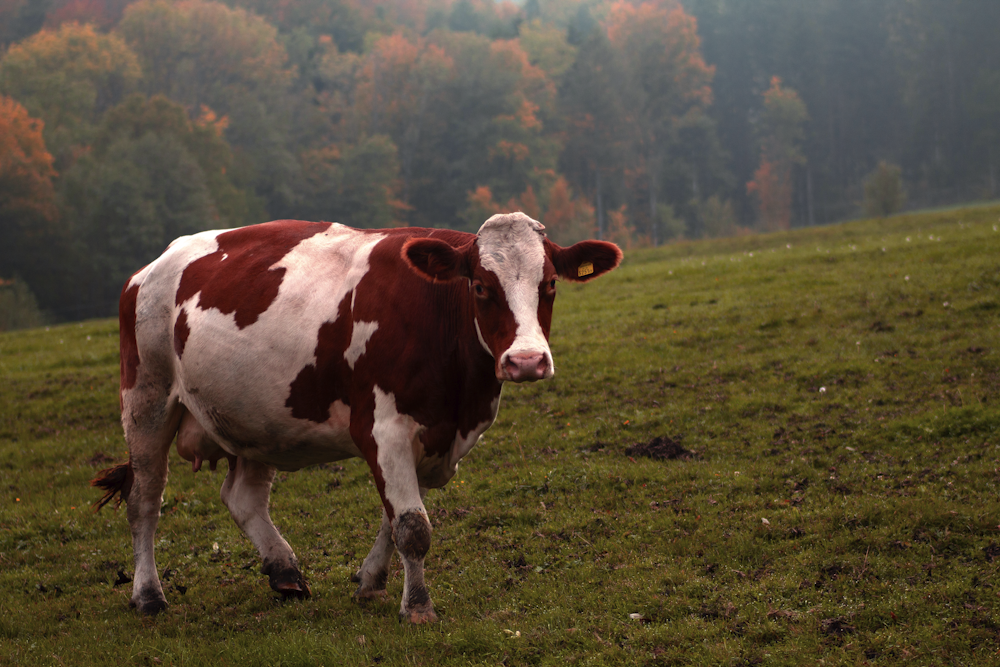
(291, 343)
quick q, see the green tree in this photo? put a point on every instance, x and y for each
(884, 190)
(153, 175)
(781, 132)
(355, 186)
(205, 54)
(592, 101)
(669, 86)
(68, 78)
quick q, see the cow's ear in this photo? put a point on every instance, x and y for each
(435, 260)
(585, 260)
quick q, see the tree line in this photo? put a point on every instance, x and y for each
(127, 123)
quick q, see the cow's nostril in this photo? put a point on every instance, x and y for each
(521, 367)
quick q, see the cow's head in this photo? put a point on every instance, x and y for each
(511, 269)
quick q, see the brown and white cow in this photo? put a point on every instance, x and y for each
(291, 343)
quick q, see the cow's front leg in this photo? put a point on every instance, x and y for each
(387, 439)
(411, 530)
(246, 492)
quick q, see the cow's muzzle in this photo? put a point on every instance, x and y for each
(526, 367)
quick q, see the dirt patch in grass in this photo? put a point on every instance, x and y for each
(661, 447)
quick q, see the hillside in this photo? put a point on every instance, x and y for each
(837, 389)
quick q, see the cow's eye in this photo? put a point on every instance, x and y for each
(550, 287)
(479, 289)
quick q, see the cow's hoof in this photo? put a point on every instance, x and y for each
(370, 594)
(290, 584)
(418, 616)
(148, 604)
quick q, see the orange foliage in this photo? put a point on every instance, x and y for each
(26, 170)
(509, 149)
(208, 118)
(560, 212)
(772, 183)
(665, 36)
(618, 229)
(394, 82)
(567, 220)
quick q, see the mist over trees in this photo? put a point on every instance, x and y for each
(125, 123)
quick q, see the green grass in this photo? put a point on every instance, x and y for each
(841, 387)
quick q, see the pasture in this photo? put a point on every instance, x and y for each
(838, 389)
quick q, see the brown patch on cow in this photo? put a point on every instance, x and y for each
(129, 348)
(115, 481)
(661, 447)
(181, 333)
(435, 367)
(411, 531)
(237, 278)
(318, 385)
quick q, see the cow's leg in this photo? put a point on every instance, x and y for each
(411, 531)
(246, 492)
(387, 439)
(374, 571)
(148, 449)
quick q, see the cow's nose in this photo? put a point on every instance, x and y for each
(526, 367)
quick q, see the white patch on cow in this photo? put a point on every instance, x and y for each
(482, 341)
(268, 355)
(395, 435)
(360, 335)
(225, 256)
(510, 245)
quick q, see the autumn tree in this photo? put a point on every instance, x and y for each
(669, 85)
(781, 132)
(68, 77)
(30, 234)
(462, 111)
(568, 219)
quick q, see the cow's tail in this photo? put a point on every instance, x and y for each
(115, 481)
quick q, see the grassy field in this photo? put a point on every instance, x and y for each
(839, 389)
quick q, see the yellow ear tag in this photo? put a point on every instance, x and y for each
(585, 269)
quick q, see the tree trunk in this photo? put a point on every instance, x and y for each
(600, 205)
(809, 196)
(653, 217)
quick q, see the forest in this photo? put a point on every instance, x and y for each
(127, 123)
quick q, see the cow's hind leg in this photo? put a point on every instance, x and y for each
(374, 572)
(246, 493)
(148, 449)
